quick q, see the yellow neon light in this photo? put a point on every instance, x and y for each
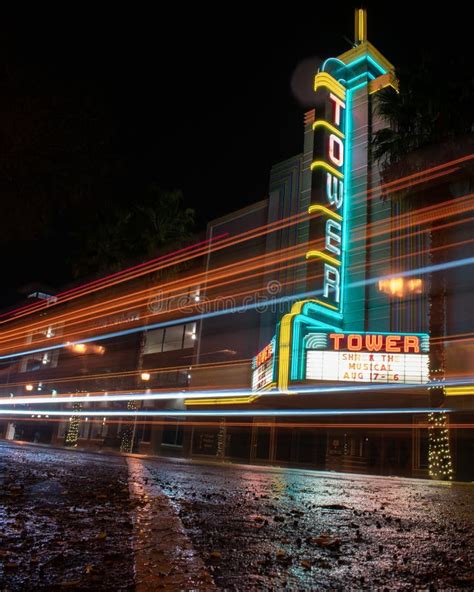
(321, 255)
(383, 82)
(284, 349)
(323, 79)
(453, 391)
(221, 401)
(285, 340)
(360, 25)
(331, 128)
(326, 305)
(328, 167)
(325, 210)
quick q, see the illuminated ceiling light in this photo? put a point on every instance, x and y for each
(29, 387)
(145, 376)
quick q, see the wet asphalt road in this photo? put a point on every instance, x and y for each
(66, 522)
(266, 528)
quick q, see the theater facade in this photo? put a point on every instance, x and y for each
(337, 342)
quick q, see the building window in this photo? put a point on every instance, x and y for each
(154, 341)
(173, 338)
(189, 335)
(170, 338)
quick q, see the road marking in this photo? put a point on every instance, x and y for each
(164, 555)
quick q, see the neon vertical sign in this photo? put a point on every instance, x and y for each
(328, 192)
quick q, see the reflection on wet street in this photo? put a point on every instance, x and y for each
(274, 528)
(95, 522)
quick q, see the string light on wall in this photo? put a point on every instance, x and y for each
(126, 443)
(72, 431)
(439, 455)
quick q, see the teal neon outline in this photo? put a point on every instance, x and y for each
(348, 82)
(322, 69)
(369, 59)
(347, 180)
(297, 351)
(274, 339)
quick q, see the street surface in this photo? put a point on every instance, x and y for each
(71, 520)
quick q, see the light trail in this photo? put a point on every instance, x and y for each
(224, 243)
(141, 395)
(116, 303)
(418, 175)
(257, 424)
(421, 216)
(415, 182)
(189, 306)
(421, 177)
(134, 373)
(227, 412)
(29, 308)
(452, 209)
(418, 271)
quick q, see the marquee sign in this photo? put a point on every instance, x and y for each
(328, 192)
(263, 367)
(373, 358)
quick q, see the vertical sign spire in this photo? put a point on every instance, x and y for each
(360, 25)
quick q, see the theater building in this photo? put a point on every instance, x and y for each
(339, 335)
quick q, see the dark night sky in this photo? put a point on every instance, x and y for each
(196, 99)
